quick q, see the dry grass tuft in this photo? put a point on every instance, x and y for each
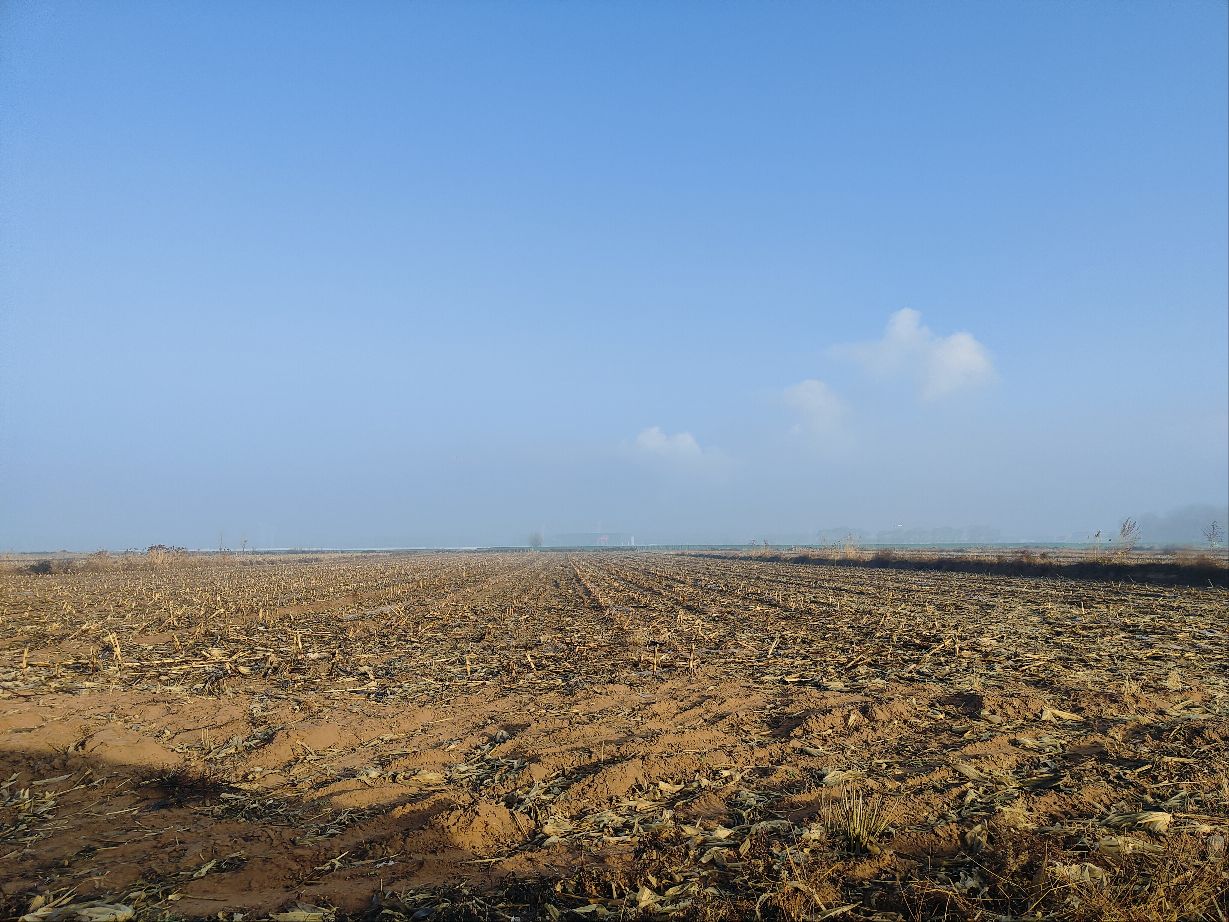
(185, 785)
(859, 820)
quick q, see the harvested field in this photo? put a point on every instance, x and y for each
(1183, 567)
(548, 735)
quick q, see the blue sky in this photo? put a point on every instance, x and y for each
(435, 273)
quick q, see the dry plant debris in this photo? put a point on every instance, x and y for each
(607, 736)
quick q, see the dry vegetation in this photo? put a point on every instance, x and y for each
(546, 736)
(1176, 567)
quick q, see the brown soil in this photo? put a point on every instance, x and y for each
(537, 735)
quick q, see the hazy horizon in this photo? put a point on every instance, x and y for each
(452, 274)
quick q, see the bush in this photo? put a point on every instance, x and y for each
(47, 566)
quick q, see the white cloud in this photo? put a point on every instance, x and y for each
(820, 411)
(680, 452)
(940, 365)
(681, 447)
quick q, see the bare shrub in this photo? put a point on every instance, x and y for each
(165, 555)
(849, 549)
(1026, 557)
(1128, 536)
(98, 562)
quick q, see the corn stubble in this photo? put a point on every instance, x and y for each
(614, 736)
